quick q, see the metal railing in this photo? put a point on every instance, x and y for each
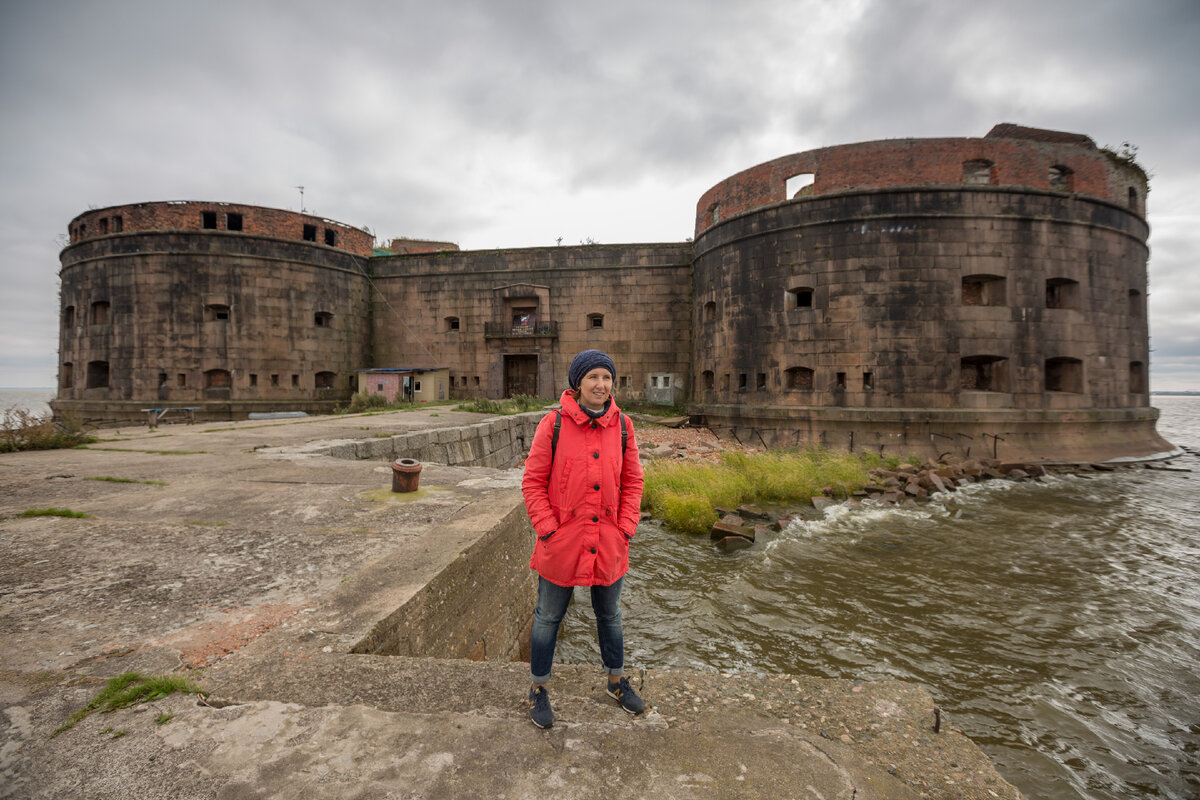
(494, 330)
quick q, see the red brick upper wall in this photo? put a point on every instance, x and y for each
(1020, 157)
(189, 215)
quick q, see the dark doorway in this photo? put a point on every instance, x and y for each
(520, 375)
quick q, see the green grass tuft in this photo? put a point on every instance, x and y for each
(130, 689)
(54, 512)
(110, 479)
(685, 494)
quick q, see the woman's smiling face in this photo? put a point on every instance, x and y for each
(595, 388)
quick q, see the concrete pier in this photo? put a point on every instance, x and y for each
(353, 643)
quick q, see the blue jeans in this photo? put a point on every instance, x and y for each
(552, 605)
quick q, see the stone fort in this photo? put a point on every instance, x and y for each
(973, 296)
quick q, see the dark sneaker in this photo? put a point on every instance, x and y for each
(539, 708)
(626, 696)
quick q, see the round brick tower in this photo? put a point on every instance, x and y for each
(982, 297)
(222, 308)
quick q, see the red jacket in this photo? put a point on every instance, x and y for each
(586, 506)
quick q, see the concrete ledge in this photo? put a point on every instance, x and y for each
(1036, 435)
(479, 604)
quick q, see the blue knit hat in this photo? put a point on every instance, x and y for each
(587, 361)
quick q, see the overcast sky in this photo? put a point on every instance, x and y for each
(510, 123)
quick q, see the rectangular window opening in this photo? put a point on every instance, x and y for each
(868, 381)
(181, 380)
(274, 380)
(253, 379)
(233, 222)
(295, 381)
(330, 237)
(840, 382)
(310, 233)
(208, 220)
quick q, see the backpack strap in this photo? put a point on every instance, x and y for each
(558, 427)
(554, 438)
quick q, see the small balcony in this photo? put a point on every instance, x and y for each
(527, 330)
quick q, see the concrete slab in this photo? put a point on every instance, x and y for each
(257, 574)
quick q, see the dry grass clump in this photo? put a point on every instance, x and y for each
(24, 430)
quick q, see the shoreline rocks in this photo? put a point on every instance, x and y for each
(905, 486)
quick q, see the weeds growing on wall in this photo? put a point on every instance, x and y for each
(685, 494)
(23, 430)
(517, 404)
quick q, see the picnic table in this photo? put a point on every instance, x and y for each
(156, 414)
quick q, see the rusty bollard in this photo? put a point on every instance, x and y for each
(406, 474)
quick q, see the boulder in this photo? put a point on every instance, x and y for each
(731, 543)
(821, 503)
(1017, 474)
(753, 512)
(731, 525)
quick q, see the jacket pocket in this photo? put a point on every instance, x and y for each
(547, 536)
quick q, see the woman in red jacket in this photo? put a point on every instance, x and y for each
(583, 492)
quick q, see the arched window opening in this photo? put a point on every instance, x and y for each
(100, 312)
(1062, 179)
(800, 185)
(983, 374)
(69, 317)
(798, 379)
(710, 311)
(707, 379)
(217, 379)
(800, 297)
(1062, 293)
(323, 319)
(983, 290)
(97, 374)
(1064, 374)
(325, 380)
(1137, 377)
(978, 172)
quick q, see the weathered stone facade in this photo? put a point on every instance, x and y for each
(885, 309)
(982, 296)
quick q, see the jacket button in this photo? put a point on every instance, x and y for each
(593, 425)
(593, 551)
(595, 455)
(596, 486)
(595, 519)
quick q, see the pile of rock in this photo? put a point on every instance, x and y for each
(909, 483)
(737, 528)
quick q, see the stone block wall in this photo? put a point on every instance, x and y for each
(220, 322)
(501, 442)
(455, 308)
